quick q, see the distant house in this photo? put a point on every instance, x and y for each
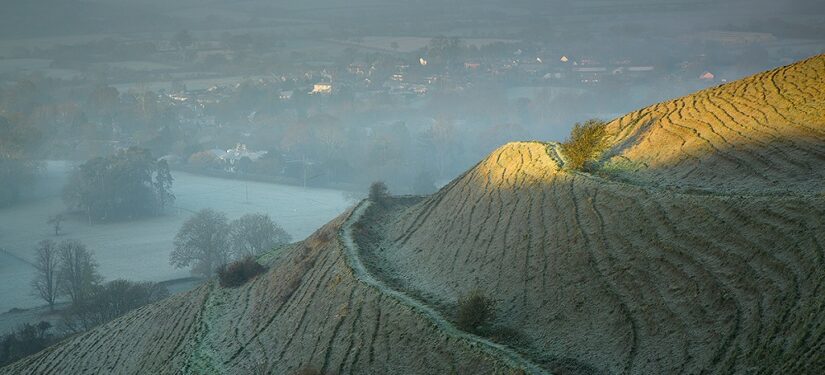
(707, 76)
(322, 88)
(232, 156)
(564, 59)
(178, 97)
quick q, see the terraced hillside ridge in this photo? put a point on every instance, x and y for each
(680, 265)
(765, 133)
(308, 311)
(608, 277)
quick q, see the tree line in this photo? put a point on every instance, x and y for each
(127, 184)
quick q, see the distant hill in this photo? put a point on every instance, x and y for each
(697, 245)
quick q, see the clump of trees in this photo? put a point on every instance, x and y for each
(476, 312)
(239, 272)
(202, 243)
(77, 271)
(25, 341)
(254, 234)
(105, 302)
(207, 240)
(586, 142)
(127, 184)
(65, 269)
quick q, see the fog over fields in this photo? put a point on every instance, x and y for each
(139, 250)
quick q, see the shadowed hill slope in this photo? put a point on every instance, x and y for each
(308, 311)
(762, 133)
(615, 277)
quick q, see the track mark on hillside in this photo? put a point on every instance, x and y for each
(608, 286)
(353, 257)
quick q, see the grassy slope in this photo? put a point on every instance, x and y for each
(764, 133)
(601, 274)
(308, 310)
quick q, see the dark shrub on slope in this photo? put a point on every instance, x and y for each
(239, 272)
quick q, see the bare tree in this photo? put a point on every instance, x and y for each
(78, 271)
(202, 242)
(46, 262)
(252, 234)
(56, 221)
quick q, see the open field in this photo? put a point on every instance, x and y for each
(139, 250)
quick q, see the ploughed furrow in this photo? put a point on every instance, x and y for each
(675, 282)
(602, 262)
(659, 290)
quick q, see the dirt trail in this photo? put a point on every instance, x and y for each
(354, 259)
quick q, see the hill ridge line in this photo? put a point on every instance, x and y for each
(353, 258)
(555, 153)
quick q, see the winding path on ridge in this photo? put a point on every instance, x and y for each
(353, 257)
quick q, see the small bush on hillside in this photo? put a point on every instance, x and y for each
(239, 272)
(586, 142)
(379, 192)
(475, 311)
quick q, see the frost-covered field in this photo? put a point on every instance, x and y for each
(139, 250)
